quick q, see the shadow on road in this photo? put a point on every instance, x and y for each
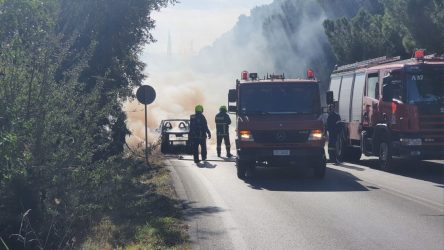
(300, 181)
(206, 164)
(193, 210)
(425, 170)
(211, 159)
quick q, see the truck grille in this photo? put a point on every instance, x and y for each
(432, 128)
(281, 136)
(431, 123)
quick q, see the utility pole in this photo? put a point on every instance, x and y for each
(146, 95)
(146, 136)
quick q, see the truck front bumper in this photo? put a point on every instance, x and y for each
(423, 152)
(275, 155)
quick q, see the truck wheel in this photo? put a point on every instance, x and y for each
(344, 152)
(320, 167)
(385, 157)
(340, 148)
(242, 167)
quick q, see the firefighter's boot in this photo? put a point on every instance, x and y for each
(229, 155)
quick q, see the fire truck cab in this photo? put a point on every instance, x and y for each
(277, 122)
(390, 108)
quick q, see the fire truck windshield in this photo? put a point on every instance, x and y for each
(425, 86)
(279, 98)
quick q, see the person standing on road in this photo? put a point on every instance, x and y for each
(198, 133)
(333, 130)
(222, 123)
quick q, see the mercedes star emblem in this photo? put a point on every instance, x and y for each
(281, 136)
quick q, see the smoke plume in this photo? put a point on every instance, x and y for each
(282, 37)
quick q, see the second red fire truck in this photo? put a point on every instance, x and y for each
(390, 108)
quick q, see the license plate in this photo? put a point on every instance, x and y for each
(281, 152)
(180, 143)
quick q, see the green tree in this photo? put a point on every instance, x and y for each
(403, 26)
(117, 30)
(65, 68)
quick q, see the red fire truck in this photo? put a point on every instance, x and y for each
(277, 122)
(390, 108)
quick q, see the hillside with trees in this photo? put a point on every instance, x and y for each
(293, 35)
(399, 28)
(284, 36)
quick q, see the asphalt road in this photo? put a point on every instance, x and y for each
(355, 207)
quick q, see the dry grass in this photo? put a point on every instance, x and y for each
(152, 219)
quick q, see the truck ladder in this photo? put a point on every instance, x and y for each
(367, 63)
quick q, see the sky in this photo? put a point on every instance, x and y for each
(194, 24)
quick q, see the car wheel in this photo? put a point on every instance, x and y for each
(164, 148)
(189, 149)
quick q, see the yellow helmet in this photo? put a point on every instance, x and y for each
(198, 108)
(223, 108)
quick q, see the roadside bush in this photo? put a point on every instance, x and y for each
(64, 73)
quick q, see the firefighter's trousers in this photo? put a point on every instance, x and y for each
(226, 139)
(203, 148)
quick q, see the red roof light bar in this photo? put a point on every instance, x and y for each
(419, 54)
(244, 75)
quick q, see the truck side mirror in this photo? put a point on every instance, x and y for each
(329, 97)
(324, 110)
(232, 95)
(232, 109)
(387, 92)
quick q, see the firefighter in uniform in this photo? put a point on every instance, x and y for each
(333, 130)
(222, 122)
(198, 133)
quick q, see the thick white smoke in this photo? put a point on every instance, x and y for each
(283, 37)
(179, 89)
